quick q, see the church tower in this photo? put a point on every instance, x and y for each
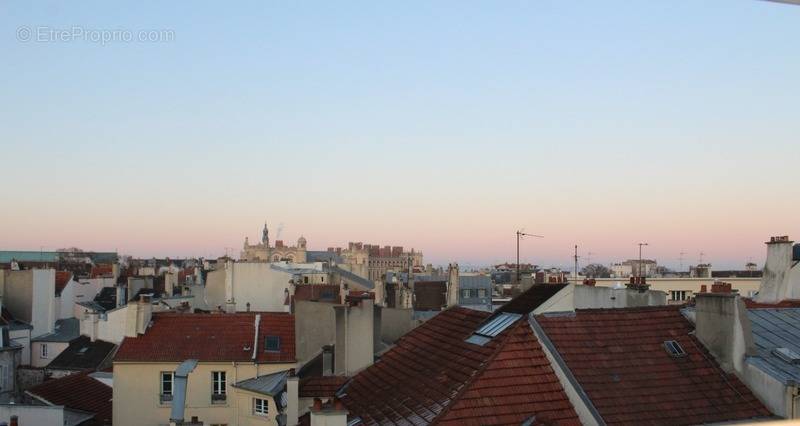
(265, 235)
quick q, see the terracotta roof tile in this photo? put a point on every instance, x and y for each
(79, 392)
(102, 271)
(619, 359)
(62, 279)
(211, 337)
(320, 386)
(433, 375)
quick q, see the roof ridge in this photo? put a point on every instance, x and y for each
(482, 369)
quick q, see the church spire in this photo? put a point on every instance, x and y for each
(265, 235)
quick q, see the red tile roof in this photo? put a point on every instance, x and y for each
(788, 303)
(210, 337)
(62, 278)
(320, 386)
(432, 374)
(517, 383)
(102, 271)
(79, 392)
(618, 357)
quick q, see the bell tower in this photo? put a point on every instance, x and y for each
(265, 235)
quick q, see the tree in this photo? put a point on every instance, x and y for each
(596, 270)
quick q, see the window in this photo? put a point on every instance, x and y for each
(674, 349)
(167, 378)
(260, 407)
(218, 387)
(492, 327)
(44, 351)
(272, 344)
(678, 295)
(481, 292)
(465, 293)
(473, 293)
(305, 279)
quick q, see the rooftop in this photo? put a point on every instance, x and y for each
(619, 358)
(65, 330)
(79, 392)
(433, 374)
(176, 337)
(270, 384)
(83, 354)
(774, 329)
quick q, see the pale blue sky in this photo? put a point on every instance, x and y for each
(441, 124)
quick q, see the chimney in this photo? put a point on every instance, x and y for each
(144, 313)
(93, 318)
(14, 421)
(327, 360)
(781, 280)
(230, 306)
(354, 337)
(120, 295)
(703, 289)
(452, 285)
(335, 414)
(721, 287)
(292, 399)
(723, 327)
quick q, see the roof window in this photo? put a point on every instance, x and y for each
(495, 325)
(787, 355)
(674, 349)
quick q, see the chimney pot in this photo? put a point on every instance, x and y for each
(14, 421)
(337, 404)
(317, 404)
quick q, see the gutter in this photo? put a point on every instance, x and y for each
(551, 350)
(255, 339)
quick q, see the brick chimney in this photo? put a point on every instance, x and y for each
(333, 414)
(781, 279)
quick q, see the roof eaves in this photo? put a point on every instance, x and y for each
(550, 349)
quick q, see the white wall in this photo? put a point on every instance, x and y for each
(43, 301)
(245, 282)
(83, 290)
(110, 327)
(42, 415)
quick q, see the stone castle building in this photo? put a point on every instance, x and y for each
(263, 252)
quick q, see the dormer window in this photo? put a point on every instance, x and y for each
(272, 344)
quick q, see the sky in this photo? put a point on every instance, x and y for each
(177, 129)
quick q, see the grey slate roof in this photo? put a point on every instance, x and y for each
(776, 328)
(323, 256)
(271, 384)
(65, 330)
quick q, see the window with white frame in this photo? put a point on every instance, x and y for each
(166, 381)
(43, 351)
(678, 295)
(260, 407)
(481, 292)
(218, 386)
(465, 293)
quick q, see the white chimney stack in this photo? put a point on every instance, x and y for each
(781, 279)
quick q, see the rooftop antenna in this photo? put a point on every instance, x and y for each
(680, 260)
(520, 234)
(576, 263)
(640, 259)
(701, 257)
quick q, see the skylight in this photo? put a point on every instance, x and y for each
(495, 325)
(674, 348)
(787, 355)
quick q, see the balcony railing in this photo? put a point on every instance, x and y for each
(165, 398)
(218, 398)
